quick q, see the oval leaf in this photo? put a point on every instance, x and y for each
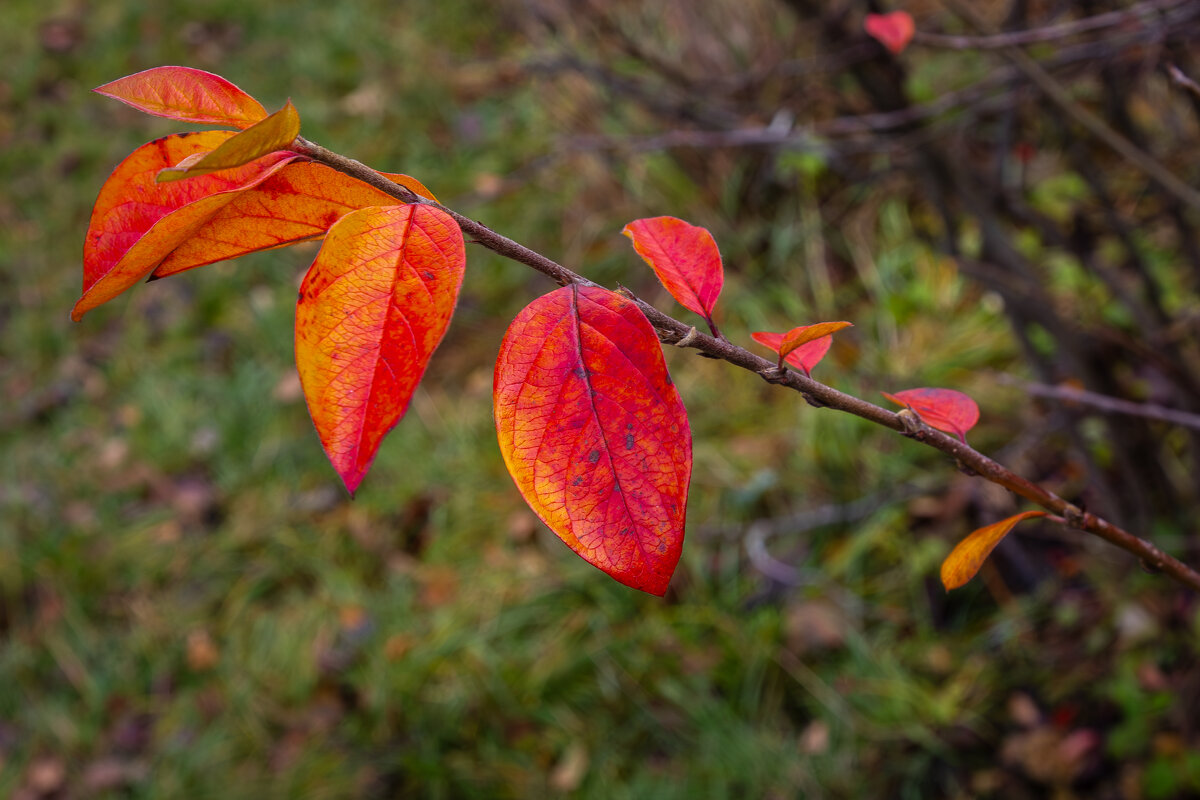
(894, 31)
(968, 556)
(275, 133)
(186, 94)
(298, 203)
(685, 259)
(944, 409)
(594, 433)
(373, 307)
(136, 222)
(804, 356)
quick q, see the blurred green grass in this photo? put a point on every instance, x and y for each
(191, 607)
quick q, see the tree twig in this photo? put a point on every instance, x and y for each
(1112, 405)
(1096, 126)
(672, 331)
(1049, 33)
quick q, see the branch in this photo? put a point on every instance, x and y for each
(1057, 93)
(1112, 405)
(1047, 34)
(672, 331)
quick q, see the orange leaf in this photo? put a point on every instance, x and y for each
(186, 94)
(944, 409)
(410, 183)
(894, 31)
(807, 333)
(685, 259)
(136, 222)
(802, 347)
(299, 202)
(594, 433)
(969, 554)
(275, 133)
(373, 308)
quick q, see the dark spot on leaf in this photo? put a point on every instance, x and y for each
(594, 456)
(579, 373)
(662, 547)
(629, 441)
(626, 531)
(427, 275)
(577, 481)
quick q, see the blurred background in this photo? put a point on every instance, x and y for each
(190, 605)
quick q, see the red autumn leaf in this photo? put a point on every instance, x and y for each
(276, 132)
(969, 554)
(944, 409)
(137, 222)
(685, 259)
(594, 433)
(894, 31)
(186, 94)
(297, 203)
(372, 309)
(802, 347)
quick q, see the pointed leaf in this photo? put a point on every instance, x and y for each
(298, 203)
(803, 356)
(807, 333)
(894, 31)
(275, 133)
(594, 433)
(944, 409)
(373, 307)
(136, 222)
(410, 183)
(968, 556)
(186, 94)
(685, 259)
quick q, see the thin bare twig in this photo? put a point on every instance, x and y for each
(1047, 34)
(1112, 405)
(1180, 79)
(672, 331)
(1096, 126)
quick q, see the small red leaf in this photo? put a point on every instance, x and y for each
(276, 132)
(802, 347)
(685, 259)
(894, 31)
(594, 433)
(968, 555)
(136, 222)
(944, 409)
(186, 94)
(373, 307)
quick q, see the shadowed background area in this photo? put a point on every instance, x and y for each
(191, 606)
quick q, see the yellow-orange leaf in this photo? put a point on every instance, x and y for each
(807, 333)
(968, 556)
(190, 95)
(299, 202)
(410, 183)
(275, 133)
(372, 309)
(137, 222)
